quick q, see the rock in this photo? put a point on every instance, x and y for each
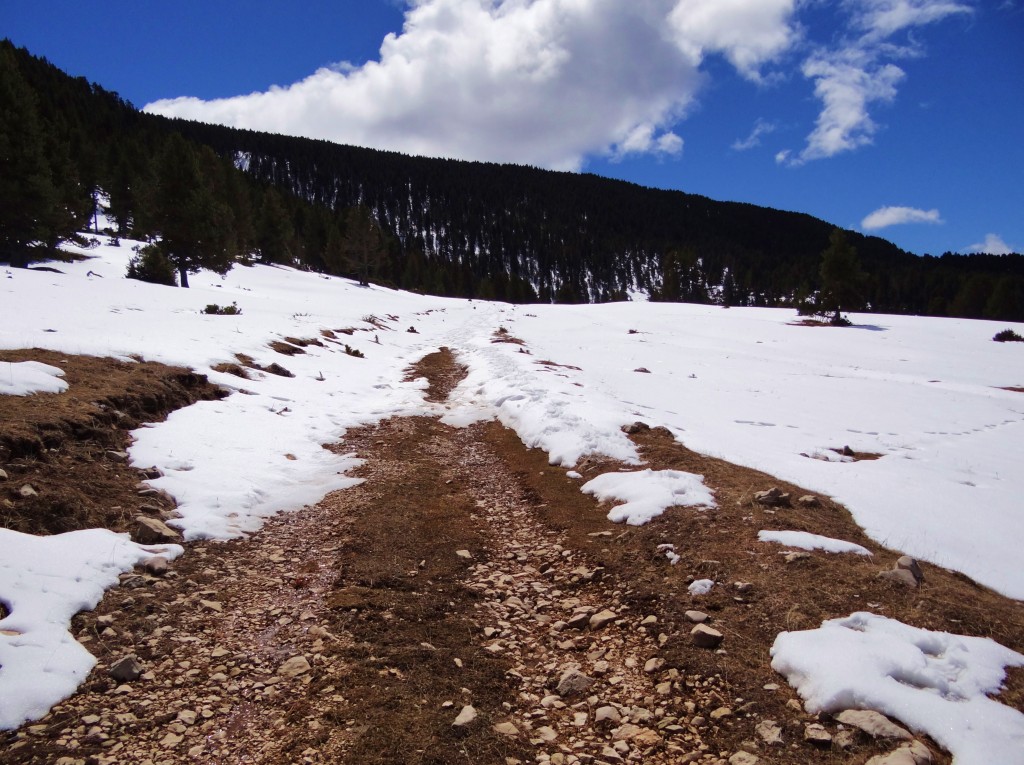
(602, 618)
(546, 734)
(506, 729)
(573, 681)
(874, 724)
(773, 497)
(28, 491)
(126, 669)
(793, 557)
(626, 732)
(743, 587)
(906, 563)
(607, 715)
(844, 739)
(636, 427)
(212, 605)
(646, 738)
(117, 456)
(816, 734)
(769, 731)
(295, 666)
(697, 617)
(156, 566)
(744, 758)
(150, 531)
(578, 621)
(914, 753)
(899, 576)
(654, 665)
(720, 713)
(3, 474)
(703, 636)
(809, 500)
(465, 717)
(465, 554)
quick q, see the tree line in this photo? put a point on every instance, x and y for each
(209, 196)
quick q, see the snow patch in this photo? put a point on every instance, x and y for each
(803, 540)
(646, 494)
(935, 682)
(44, 581)
(23, 378)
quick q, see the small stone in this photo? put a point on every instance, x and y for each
(155, 566)
(465, 554)
(874, 724)
(769, 731)
(150, 531)
(607, 714)
(187, 716)
(773, 497)
(573, 681)
(809, 500)
(295, 666)
(602, 618)
(3, 474)
(654, 665)
(844, 739)
(117, 456)
(171, 740)
(697, 617)
(914, 753)
(213, 605)
(646, 738)
(744, 758)
(28, 491)
(125, 669)
(546, 734)
(703, 636)
(793, 557)
(721, 712)
(465, 717)
(906, 563)
(506, 729)
(816, 734)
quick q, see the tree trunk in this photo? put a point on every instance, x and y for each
(183, 277)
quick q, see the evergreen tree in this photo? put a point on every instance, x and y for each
(28, 198)
(842, 280)
(274, 232)
(189, 219)
(363, 244)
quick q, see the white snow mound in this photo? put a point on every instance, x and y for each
(803, 540)
(935, 682)
(23, 378)
(646, 494)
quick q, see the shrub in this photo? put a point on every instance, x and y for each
(1008, 336)
(354, 351)
(223, 310)
(150, 264)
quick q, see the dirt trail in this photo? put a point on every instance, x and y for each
(465, 571)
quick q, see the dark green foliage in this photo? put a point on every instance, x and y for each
(842, 280)
(1008, 336)
(223, 310)
(452, 228)
(151, 265)
(354, 352)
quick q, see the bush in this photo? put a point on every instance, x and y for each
(223, 310)
(1008, 336)
(150, 264)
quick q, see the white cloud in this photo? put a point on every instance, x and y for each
(544, 82)
(895, 216)
(853, 76)
(754, 139)
(993, 245)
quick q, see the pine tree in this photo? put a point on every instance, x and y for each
(842, 281)
(189, 219)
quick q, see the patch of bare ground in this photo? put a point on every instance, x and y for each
(69, 447)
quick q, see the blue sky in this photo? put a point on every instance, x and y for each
(901, 118)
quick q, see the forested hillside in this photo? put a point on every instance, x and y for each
(210, 196)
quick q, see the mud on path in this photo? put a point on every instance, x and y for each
(466, 571)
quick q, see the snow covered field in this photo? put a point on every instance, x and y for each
(747, 385)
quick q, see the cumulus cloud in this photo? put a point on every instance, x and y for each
(761, 127)
(543, 82)
(993, 245)
(851, 77)
(895, 216)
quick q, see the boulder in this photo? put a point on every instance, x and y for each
(914, 753)
(874, 724)
(773, 497)
(125, 669)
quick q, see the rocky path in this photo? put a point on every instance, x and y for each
(464, 604)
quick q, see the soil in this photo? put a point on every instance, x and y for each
(464, 571)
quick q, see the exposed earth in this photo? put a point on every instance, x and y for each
(464, 581)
